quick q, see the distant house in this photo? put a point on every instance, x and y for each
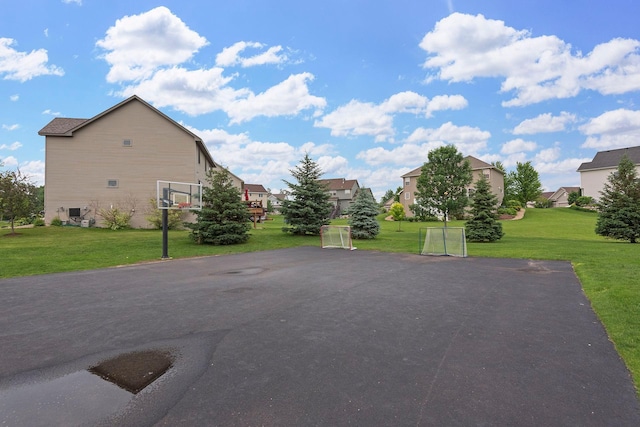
(342, 191)
(256, 193)
(115, 159)
(276, 201)
(594, 174)
(560, 197)
(478, 168)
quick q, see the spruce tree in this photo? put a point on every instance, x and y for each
(224, 218)
(484, 225)
(619, 206)
(362, 216)
(309, 207)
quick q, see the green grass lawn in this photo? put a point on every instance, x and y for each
(608, 270)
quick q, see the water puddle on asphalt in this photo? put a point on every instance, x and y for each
(82, 397)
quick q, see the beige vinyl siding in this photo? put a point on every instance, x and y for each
(79, 167)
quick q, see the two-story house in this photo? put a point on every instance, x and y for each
(115, 159)
(594, 174)
(478, 169)
(343, 192)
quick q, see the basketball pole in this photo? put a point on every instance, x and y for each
(165, 225)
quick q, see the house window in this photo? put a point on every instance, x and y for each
(407, 181)
(347, 191)
(198, 156)
(112, 183)
(407, 196)
(127, 143)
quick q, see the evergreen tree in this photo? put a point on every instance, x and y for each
(309, 207)
(442, 183)
(362, 216)
(224, 218)
(619, 206)
(484, 225)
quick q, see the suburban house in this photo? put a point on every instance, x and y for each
(115, 159)
(343, 192)
(594, 174)
(276, 201)
(560, 197)
(478, 168)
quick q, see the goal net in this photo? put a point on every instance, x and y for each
(444, 241)
(336, 236)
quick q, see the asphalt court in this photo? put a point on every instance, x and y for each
(307, 336)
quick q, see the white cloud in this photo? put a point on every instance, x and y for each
(566, 167)
(468, 140)
(51, 113)
(464, 47)
(78, 2)
(230, 56)
(548, 155)
(544, 123)
(137, 45)
(14, 98)
(9, 161)
(365, 118)
(34, 170)
(517, 146)
(22, 66)
(613, 129)
(12, 147)
(46, 32)
(11, 127)
(406, 154)
(287, 98)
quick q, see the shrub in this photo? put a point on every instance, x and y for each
(514, 204)
(507, 211)
(542, 202)
(38, 222)
(583, 201)
(175, 217)
(116, 219)
(56, 221)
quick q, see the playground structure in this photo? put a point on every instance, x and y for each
(256, 211)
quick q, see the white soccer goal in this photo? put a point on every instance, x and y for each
(444, 241)
(336, 236)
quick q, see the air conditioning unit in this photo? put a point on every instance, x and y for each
(84, 223)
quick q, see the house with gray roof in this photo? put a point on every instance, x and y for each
(479, 168)
(342, 193)
(594, 174)
(115, 159)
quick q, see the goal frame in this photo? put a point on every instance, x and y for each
(328, 239)
(443, 241)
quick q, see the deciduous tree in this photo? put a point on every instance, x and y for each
(17, 195)
(523, 184)
(442, 183)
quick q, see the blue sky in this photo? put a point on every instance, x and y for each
(367, 88)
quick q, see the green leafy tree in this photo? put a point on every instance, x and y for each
(619, 206)
(224, 218)
(523, 184)
(308, 208)
(573, 196)
(390, 194)
(484, 225)
(17, 195)
(442, 183)
(397, 213)
(362, 216)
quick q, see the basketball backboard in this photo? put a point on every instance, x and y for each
(179, 195)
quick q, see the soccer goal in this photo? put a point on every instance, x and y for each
(336, 236)
(449, 241)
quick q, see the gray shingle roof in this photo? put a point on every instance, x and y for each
(61, 126)
(611, 158)
(255, 188)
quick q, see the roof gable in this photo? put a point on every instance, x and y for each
(65, 126)
(611, 158)
(339, 183)
(255, 188)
